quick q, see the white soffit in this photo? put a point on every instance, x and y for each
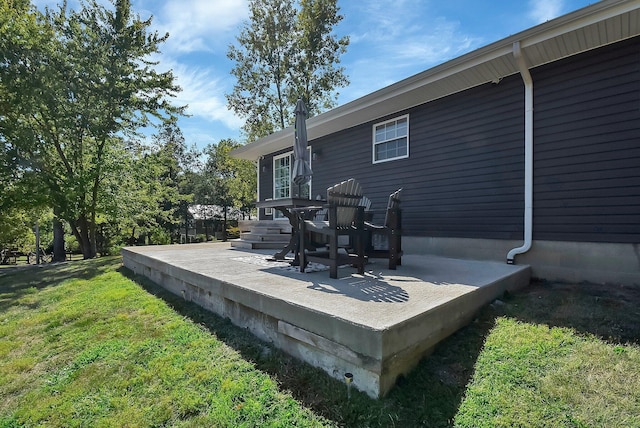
(600, 24)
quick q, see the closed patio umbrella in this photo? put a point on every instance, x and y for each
(301, 172)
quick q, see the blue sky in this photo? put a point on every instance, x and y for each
(389, 42)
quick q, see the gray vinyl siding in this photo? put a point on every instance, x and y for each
(464, 176)
(587, 147)
(265, 168)
(469, 164)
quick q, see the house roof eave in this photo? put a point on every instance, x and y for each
(597, 25)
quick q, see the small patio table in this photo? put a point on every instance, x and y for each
(294, 209)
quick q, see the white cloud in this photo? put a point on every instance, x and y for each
(443, 40)
(394, 46)
(204, 93)
(199, 32)
(200, 25)
(544, 10)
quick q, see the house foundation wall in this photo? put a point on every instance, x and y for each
(232, 302)
(573, 262)
(375, 326)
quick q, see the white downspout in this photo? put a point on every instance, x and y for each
(528, 154)
(258, 184)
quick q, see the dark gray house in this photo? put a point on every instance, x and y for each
(526, 150)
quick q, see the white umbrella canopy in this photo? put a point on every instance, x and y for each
(301, 172)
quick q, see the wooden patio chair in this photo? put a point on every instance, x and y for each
(345, 218)
(385, 241)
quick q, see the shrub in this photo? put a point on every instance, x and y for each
(233, 232)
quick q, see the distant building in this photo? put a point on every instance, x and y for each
(206, 221)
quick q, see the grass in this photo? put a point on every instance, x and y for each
(87, 344)
(561, 355)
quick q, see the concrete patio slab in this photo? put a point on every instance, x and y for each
(376, 326)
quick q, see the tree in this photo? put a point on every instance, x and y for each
(283, 55)
(21, 201)
(72, 85)
(146, 200)
(171, 161)
(228, 181)
(314, 74)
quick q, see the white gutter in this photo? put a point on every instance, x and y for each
(528, 154)
(258, 186)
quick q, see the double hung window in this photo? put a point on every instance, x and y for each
(282, 166)
(391, 139)
(281, 176)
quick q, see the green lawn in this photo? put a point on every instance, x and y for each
(87, 344)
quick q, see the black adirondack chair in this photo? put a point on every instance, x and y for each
(385, 241)
(343, 228)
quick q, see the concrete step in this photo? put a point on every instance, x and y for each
(259, 230)
(246, 225)
(269, 237)
(253, 245)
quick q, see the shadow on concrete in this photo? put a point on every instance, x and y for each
(368, 288)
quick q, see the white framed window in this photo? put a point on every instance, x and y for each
(282, 176)
(391, 139)
(282, 165)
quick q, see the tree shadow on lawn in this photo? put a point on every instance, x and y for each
(609, 312)
(17, 281)
(431, 394)
(428, 396)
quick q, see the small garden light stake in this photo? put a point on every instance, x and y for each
(348, 379)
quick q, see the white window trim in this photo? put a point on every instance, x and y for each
(373, 140)
(273, 177)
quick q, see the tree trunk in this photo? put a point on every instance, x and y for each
(224, 225)
(81, 231)
(186, 224)
(59, 253)
(91, 233)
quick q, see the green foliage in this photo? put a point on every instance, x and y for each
(233, 232)
(227, 181)
(315, 75)
(151, 193)
(22, 39)
(72, 84)
(17, 228)
(160, 237)
(90, 347)
(285, 52)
